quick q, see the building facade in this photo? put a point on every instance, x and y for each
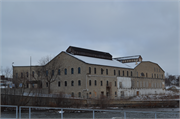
(85, 73)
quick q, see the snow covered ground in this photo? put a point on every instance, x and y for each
(167, 96)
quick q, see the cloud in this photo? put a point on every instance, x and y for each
(122, 28)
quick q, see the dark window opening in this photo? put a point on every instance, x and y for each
(106, 71)
(65, 71)
(102, 71)
(79, 70)
(101, 83)
(95, 83)
(72, 71)
(59, 72)
(89, 82)
(21, 75)
(38, 73)
(123, 73)
(26, 74)
(115, 83)
(72, 95)
(33, 74)
(127, 73)
(114, 72)
(118, 72)
(72, 83)
(89, 70)
(46, 72)
(46, 84)
(79, 94)
(131, 73)
(52, 72)
(79, 82)
(107, 83)
(94, 70)
(59, 84)
(65, 83)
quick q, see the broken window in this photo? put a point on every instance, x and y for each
(120, 84)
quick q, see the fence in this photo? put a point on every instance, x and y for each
(93, 111)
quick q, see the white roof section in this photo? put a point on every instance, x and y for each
(98, 61)
(128, 57)
(132, 64)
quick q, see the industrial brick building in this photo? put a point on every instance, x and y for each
(85, 73)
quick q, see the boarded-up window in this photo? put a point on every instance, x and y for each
(122, 93)
(120, 84)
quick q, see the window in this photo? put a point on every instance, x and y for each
(21, 75)
(143, 83)
(123, 73)
(127, 73)
(157, 75)
(115, 83)
(101, 83)
(131, 73)
(95, 83)
(89, 70)
(26, 74)
(137, 74)
(46, 84)
(72, 83)
(59, 72)
(38, 73)
(79, 94)
(79, 82)
(114, 72)
(115, 94)
(79, 70)
(46, 72)
(52, 72)
(59, 83)
(106, 71)
(107, 83)
(72, 95)
(137, 84)
(118, 72)
(152, 75)
(102, 71)
(65, 83)
(33, 74)
(146, 74)
(65, 71)
(16, 75)
(140, 84)
(120, 84)
(94, 70)
(89, 82)
(72, 71)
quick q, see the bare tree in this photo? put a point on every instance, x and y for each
(7, 72)
(48, 71)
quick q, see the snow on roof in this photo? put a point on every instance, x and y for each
(132, 64)
(98, 61)
(128, 57)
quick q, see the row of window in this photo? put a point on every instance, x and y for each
(89, 94)
(102, 72)
(146, 84)
(101, 83)
(52, 72)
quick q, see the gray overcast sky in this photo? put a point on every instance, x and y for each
(122, 28)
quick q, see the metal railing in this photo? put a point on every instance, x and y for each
(12, 106)
(93, 110)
